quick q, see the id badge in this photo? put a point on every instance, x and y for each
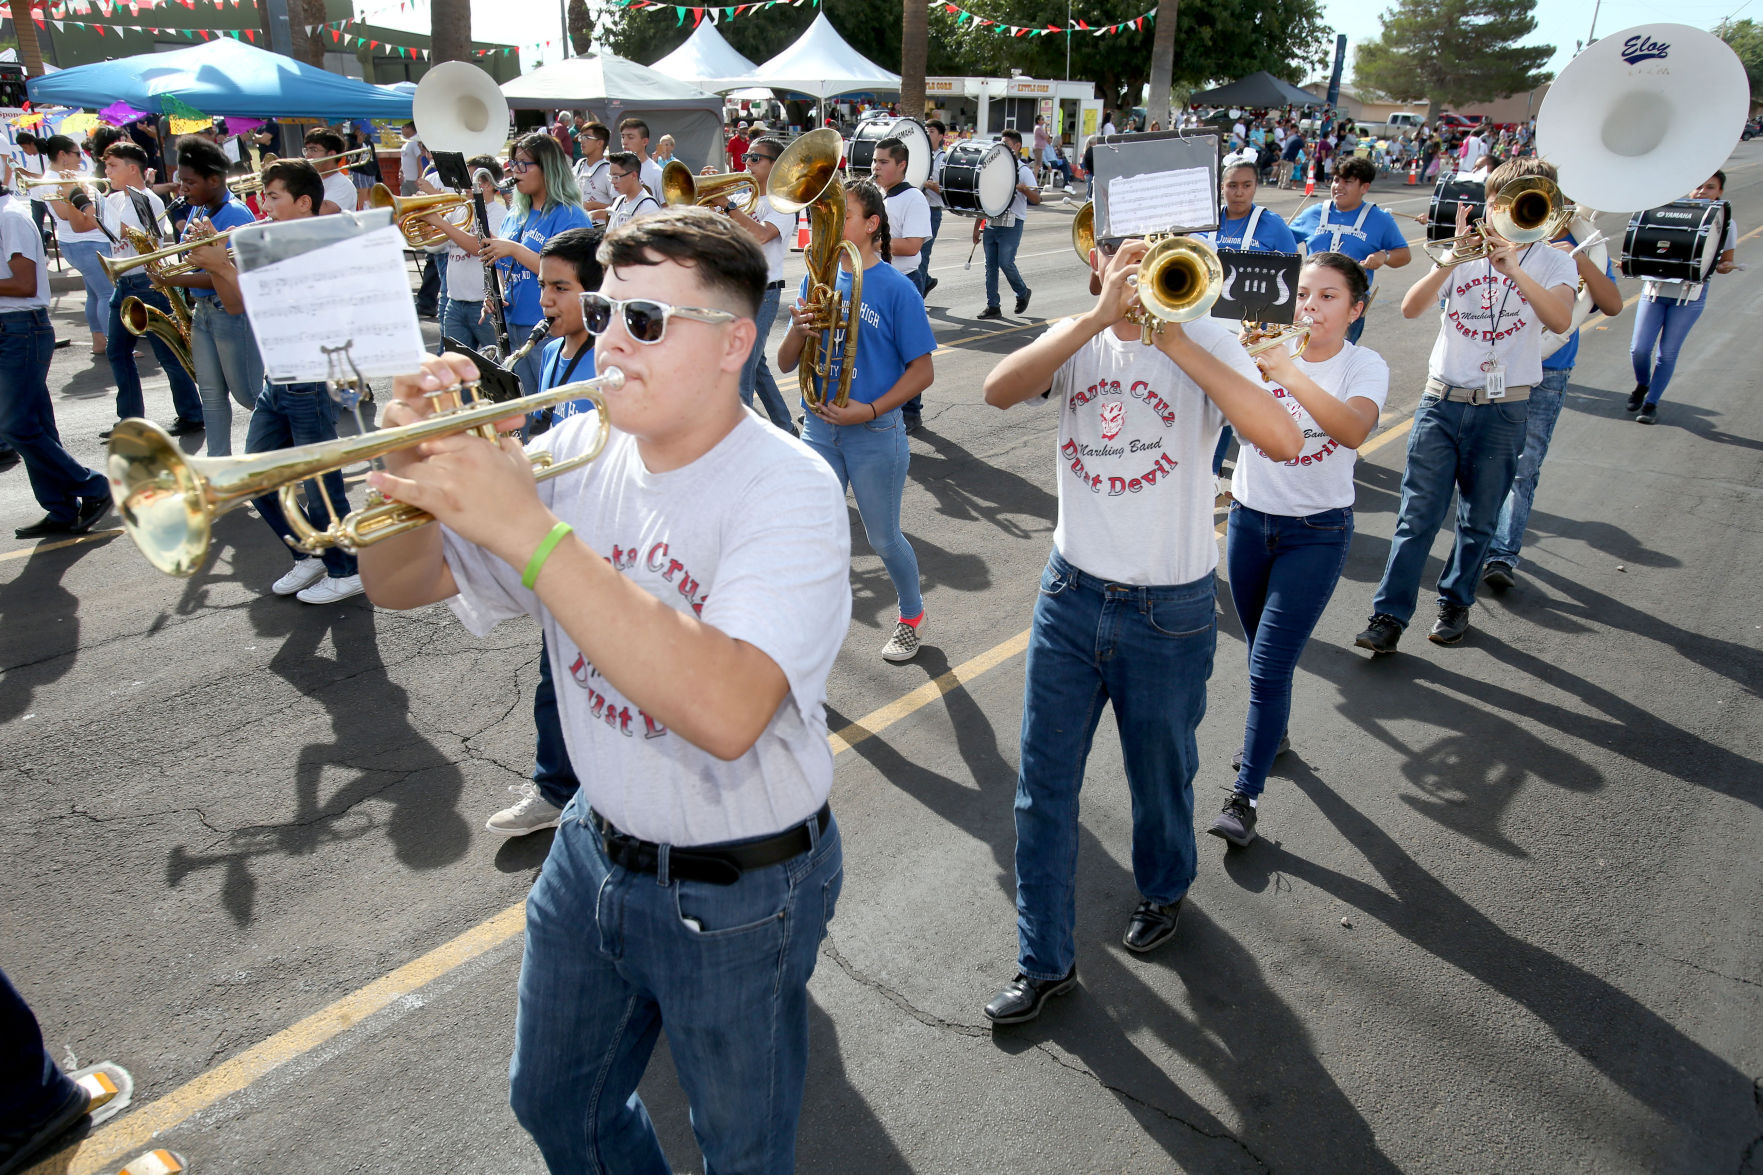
(1496, 381)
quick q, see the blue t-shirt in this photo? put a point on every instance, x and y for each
(554, 369)
(1568, 352)
(1377, 233)
(1271, 233)
(893, 331)
(520, 285)
(232, 214)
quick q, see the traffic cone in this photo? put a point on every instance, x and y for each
(1414, 173)
(1310, 179)
(802, 233)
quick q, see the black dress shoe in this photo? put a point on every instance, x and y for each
(91, 510)
(45, 528)
(991, 312)
(106, 434)
(929, 285)
(8, 458)
(912, 422)
(181, 427)
(1022, 302)
(1151, 926)
(1022, 997)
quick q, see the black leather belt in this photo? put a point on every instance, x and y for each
(716, 864)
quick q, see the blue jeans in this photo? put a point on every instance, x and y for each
(33, 1089)
(1282, 572)
(1474, 449)
(120, 350)
(613, 957)
(1545, 408)
(27, 417)
(871, 458)
(1148, 652)
(83, 256)
(930, 242)
(300, 414)
(530, 369)
(1668, 324)
(756, 375)
(428, 294)
(1224, 437)
(459, 321)
(1000, 246)
(227, 362)
(553, 774)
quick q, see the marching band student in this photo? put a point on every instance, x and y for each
(1004, 235)
(1469, 427)
(591, 169)
(770, 229)
(292, 413)
(908, 210)
(74, 497)
(1665, 320)
(464, 317)
(1545, 402)
(1292, 521)
(933, 196)
(633, 136)
(546, 201)
(691, 880)
(630, 198)
(1349, 223)
(865, 441)
(568, 268)
(1125, 613)
(221, 342)
(340, 194)
(130, 204)
(82, 242)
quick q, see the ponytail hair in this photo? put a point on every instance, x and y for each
(874, 204)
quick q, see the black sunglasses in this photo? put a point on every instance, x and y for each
(645, 319)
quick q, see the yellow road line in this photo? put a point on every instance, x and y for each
(89, 537)
(877, 721)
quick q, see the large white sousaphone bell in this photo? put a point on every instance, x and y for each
(459, 107)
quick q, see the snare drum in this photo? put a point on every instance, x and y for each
(1677, 242)
(979, 179)
(860, 151)
(1441, 214)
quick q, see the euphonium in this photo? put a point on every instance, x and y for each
(1525, 211)
(680, 186)
(169, 501)
(408, 213)
(807, 176)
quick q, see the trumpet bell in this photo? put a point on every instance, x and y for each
(1528, 210)
(1179, 279)
(1083, 230)
(408, 211)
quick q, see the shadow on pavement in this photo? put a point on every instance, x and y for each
(39, 626)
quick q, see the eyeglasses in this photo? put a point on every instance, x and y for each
(619, 175)
(645, 319)
(521, 166)
(756, 156)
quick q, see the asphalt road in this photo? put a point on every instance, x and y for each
(1497, 919)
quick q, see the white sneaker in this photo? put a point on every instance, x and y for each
(330, 589)
(303, 574)
(531, 814)
(903, 645)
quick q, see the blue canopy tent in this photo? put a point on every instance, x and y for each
(220, 77)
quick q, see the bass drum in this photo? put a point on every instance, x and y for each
(1441, 214)
(979, 179)
(1677, 242)
(860, 151)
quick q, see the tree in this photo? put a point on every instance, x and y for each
(581, 27)
(914, 23)
(1162, 61)
(30, 54)
(449, 30)
(1453, 52)
(1746, 38)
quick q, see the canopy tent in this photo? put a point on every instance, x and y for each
(612, 88)
(220, 77)
(706, 60)
(820, 63)
(1257, 91)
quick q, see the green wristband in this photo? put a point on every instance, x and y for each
(537, 563)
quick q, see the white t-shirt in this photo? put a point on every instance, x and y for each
(595, 180)
(1018, 200)
(625, 209)
(935, 199)
(340, 190)
(908, 216)
(465, 273)
(63, 232)
(652, 177)
(1135, 458)
(1485, 315)
(410, 160)
(1108, 128)
(777, 578)
(19, 238)
(785, 223)
(1321, 477)
(1474, 147)
(118, 211)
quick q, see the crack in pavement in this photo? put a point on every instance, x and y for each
(1650, 949)
(973, 1032)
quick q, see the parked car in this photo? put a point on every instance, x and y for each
(1752, 129)
(1460, 122)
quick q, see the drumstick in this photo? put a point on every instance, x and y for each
(975, 249)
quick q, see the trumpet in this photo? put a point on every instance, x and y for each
(168, 501)
(1524, 212)
(90, 183)
(1177, 281)
(408, 213)
(1258, 338)
(245, 185)
(158, 263)
(680, 186)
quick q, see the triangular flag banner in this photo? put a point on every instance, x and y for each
(176, 107)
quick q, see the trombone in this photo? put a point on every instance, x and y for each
(408, 213)
(346, 159)
(158, 263)
(95, 183)
(169, 501)
(1525, 211)
(680, 186)
(1177, 281)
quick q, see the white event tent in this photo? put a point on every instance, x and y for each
(707, 61)
(610, 88)
(820, 63)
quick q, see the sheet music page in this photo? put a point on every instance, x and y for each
(1161, 201)
(355, 290)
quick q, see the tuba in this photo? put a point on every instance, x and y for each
(408, 213)
(806, 176)
(680, 186)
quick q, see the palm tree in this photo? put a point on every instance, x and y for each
(1162, 63)
(450, 30)
(914, 36)
(29, 52)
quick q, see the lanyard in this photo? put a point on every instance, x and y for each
(1487, 301)
(551, 368)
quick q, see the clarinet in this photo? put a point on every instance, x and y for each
(532, 340)
(492, 274)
